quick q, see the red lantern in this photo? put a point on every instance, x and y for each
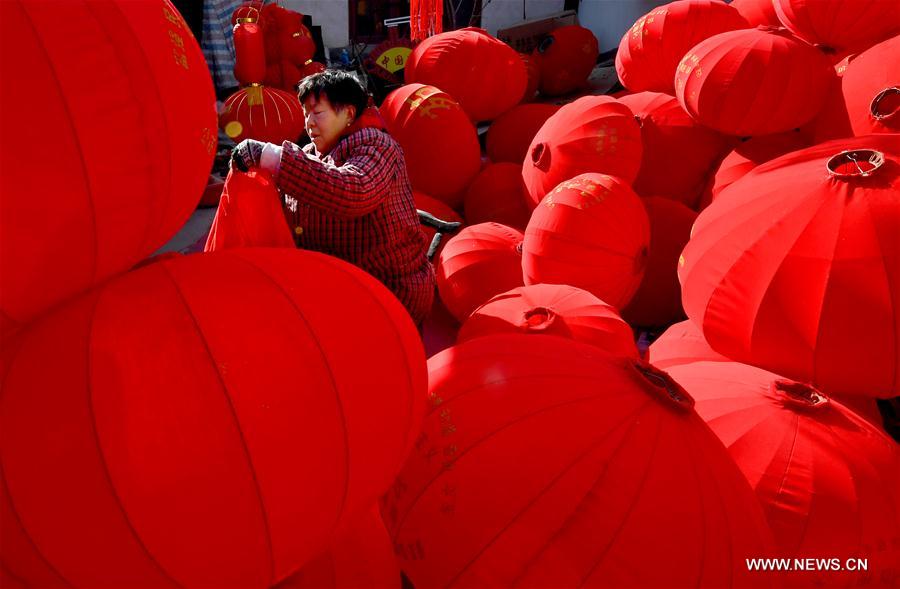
(362, 556)
(119, 98)
(247, 12)
(310, 68)
(591, 232)
(757, 12)
(439, 142)
(510, 135)
(533, 76)
(650, 51)
(566, 58)
(545, 462)
(553, 309)
(657, 301)
(753, 82)
(464, 64)
(682, 343)
(828, 481)
(262, 113)
(249, 53)
(481, 261)
(678, 152)
(795, 267)
(840, 25)
(593, 134)
(867, 100)
(498, 194)
(746, 156)
(218, 423)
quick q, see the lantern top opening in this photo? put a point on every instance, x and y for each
(539, 318)
(855, 163)
(799, 395)
(886, 104)
(664, 387)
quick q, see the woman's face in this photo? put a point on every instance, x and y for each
(324, 123)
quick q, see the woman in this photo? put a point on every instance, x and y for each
(347, 193)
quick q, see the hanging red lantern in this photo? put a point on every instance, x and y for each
(867, 100)
(591, 232)
(464, 64)
(593, 134)
(746, 156)
(532, 76)
(289, 45)
(649, 52)
(249, 53)
(481, 261)
(795, 267)
(753, 82)
(757, 12)
(678, 153)
(262, 113)
(828, 481)
(362, 556)
(566, 58)
(218, 423)
(657, 301)
(510, 135)
(498, 194)
(311, 67)
(682, 343)
(438, 140)
(546, 462)
(249, 11)
(126, 165)
(553, 309)
(840, 25)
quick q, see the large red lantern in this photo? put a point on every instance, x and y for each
(593, 134)
(207, 421)
(867, 100)
(650, 51)
(753, 82)
(498, 194)
(510, 135)
(591, 232)
(657, 301)
(566, 57)
(682, 343)
(464, 64)
(796, 267)
(553, 309)
(546, 462)
(439, 142)
(840, 25)
(757, 12)
(828, 481)
(678, 153)
(119, 98)
(262, 113)
(479, 262)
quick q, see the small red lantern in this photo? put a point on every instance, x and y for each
(650, 51)
(438, 140)
(753, 82)
(262, 113)
(796, 268)
(678, 152)
(509, 137)
(553, 309)
(464, 64)
(593, 134)
(828, 481)
(498, 194)
(249, 53)
(546, 462)
(566, 58)
(207, 421)
(757, 12)
(591, 232)
(840, 25)
(657, 301)
(682, 343)
(112, 111)
(533, 76)
(480, 262)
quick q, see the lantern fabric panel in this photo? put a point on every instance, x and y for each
(839, 25)
(682, 343)
(757, 12)
(263, 113)
(129, 162)
(509, 137)
(498, 194)
(566, 58)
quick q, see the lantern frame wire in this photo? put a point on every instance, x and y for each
(874, 158)
(876, 103)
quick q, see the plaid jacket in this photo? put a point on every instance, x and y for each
(356, 203)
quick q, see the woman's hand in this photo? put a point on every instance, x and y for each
(246, 155)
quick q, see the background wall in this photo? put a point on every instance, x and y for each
(332, 15)
(499, 14)
(609, 19)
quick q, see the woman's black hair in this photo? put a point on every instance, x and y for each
(339, 87)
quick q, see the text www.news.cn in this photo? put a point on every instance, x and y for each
(807, 564)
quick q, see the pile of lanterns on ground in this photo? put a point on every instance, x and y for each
(266, 417)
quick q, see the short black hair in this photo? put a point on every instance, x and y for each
(339, 87)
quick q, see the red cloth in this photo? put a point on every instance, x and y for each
(356, 203)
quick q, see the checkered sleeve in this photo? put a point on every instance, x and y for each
(218, 42)
(353, 189)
